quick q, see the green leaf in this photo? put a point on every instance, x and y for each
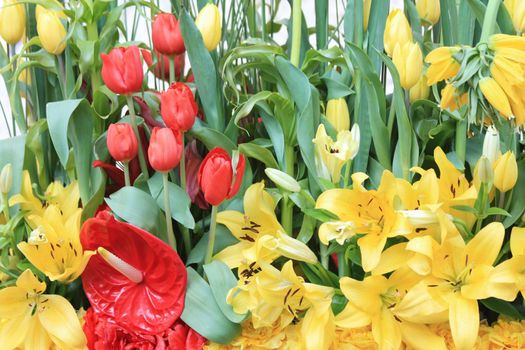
(498, 211)
(202, 313)
(502, 308)
(223, 239)
(203, 70)
(322, 215)
(211, 137)
(262, 154)
(517, 205)
(179, 200)
(136, 207)
(12, 150)
(221, 280)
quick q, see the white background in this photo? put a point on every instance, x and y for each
(336, 7)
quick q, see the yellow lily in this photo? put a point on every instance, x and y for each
(397, 308)
(443, 65)
(363, 212)
(330, 156)
(259, 233)
(54, 246)
(461, 275)
(28, 202)
(34, 320)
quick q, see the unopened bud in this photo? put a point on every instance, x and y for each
(283, 180)
(485, 171)
(6, 178)
(491, 147)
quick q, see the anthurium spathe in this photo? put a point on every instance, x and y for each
(461, 275)
(33, 320)
(330, 155)
(396, 307)
(363, 212)
(259, 232)
(147, 304)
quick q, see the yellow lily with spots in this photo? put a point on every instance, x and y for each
(397, 308)
(360, 211)
(261, 236)
(33, 320)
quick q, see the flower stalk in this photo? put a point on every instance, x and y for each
(489, 23)
(296, 33)
(167, 211)
(211, 239)
(127, 180)
(142, 159)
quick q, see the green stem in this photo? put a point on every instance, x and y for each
(62, 76)
(347, 173)
(182, 169)
(142, 159)
(167, 211)
(211, 239)
(461, 140)
(324, 255)
(96, 81)
(342, 265)
(489, 23)
(127, 180)
(5, 202)
(286, 205)
(296, 33)
(172, 70)
(263, 19)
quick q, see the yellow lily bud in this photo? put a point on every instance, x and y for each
(495, 96)
(367, 4)
(443, 65)
(420, 91)
(283, 180)
(51, 32)
(12, 21)
(408, 60)
(505, 172)
(209, 23)
(397, 31)
(451, 100)
(491, 147)
(337, 114)
(429, 11)
(516, 9)
(6, 178)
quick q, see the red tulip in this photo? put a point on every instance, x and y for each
(150, 306)
(122, 70)
(165, 149)
(178, 107)
(163, 60)
(217, 179)
(122, 143)
(166, 35)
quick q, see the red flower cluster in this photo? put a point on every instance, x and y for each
(103, 333)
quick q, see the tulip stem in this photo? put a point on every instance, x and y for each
(489, 22)
(5, 203)
(342, 264)
(182, 169)
(296, 33)
(142, 159)
(172, 70)
(127, 180)
(167, 211)
(286, 207)
(211, 239)
(347, 173)
(461, 140)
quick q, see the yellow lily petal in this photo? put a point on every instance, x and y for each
(61, 322)
(30, 283)
(364, 294)
(486, 244)
(418, 306)
(289, 247)
(232, 255)
(14, 331)
(352, 317)
(391, 259)
(478, 283)
(26, 199)
(371, 247)
(336, 201)
(318, 327)
(37, 337)
(464, 321)
(386, 330)
(13, 303)
(517, 241)
(260, 204)
(419, 337)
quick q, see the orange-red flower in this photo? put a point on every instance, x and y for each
(122, 70)
(166, 35)
(178, 107)
(165, 149)
(122, 142)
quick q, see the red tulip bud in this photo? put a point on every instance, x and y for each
(165, 149)
(178, 107)
(122, 142)
(122, 70)
(166, 35)
(217, 178)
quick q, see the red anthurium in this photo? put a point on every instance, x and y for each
(166, 35)
(178, 107)
(162, 66)
(217, 179)
(152, 303)
(165, 149)
(122, 70)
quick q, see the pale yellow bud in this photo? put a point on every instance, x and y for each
(397, 31)
(491, 146)
(51, 31)
(420, 91)
(337, 114)
(505, 172)
(6, 178)
(283, 180)
(209, 23)
(12, 21)
(429, 11)
(408, 60)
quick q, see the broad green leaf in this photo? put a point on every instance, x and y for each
(221, 280)
(202, 313)
(12, 150)
(223, 239)
(517, 204)
(211, 137)
(136, 207)
(262, 154)
(502, 308)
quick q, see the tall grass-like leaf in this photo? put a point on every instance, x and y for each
(376, 29)
(449, 22)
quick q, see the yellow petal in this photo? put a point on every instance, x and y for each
(464, 321)
(486, 244)
(13, 303)
(418, 306)
(259, 206)
(61, 322)
(233, 255)
(517, 241)
(386, 330)
(14, 331)
(336, 201)
(371, 247)
(364, 294)
(30, 283)
(289, 247)
(391, 259)
(352, 317)
(419, 337)
(37, 337)
(318, 327)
